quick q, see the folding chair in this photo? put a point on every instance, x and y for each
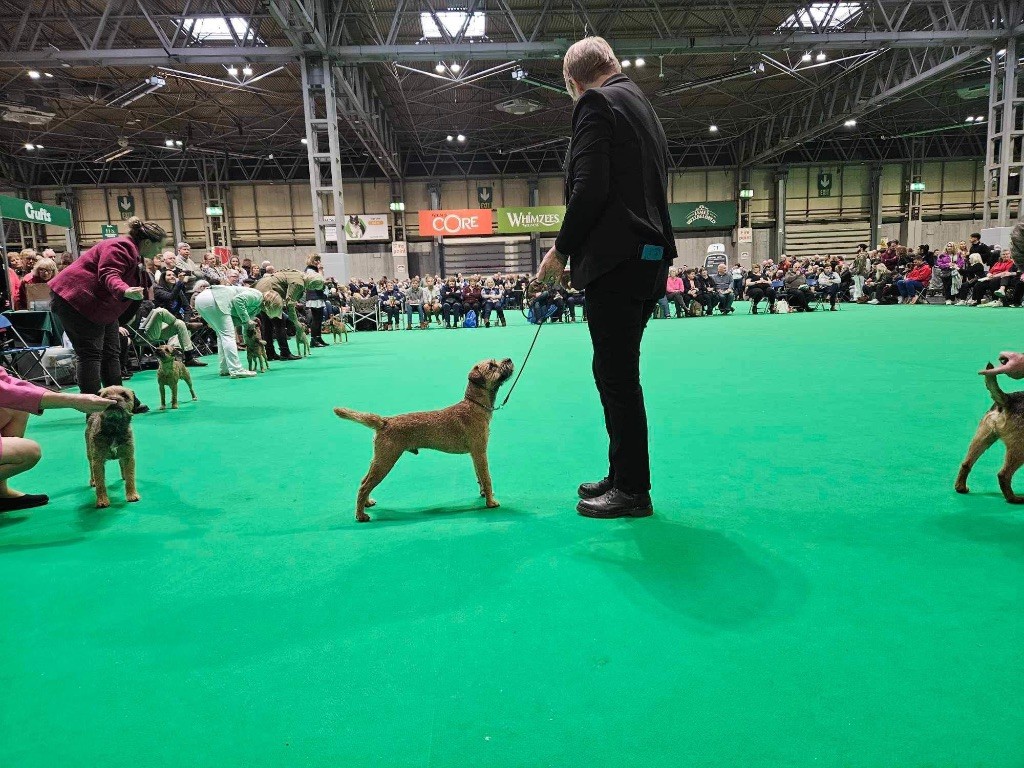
(22, 359)
(353, 316)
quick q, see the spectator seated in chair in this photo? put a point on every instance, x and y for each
(432, 300)
(451, 303)
(674, 293)
(573, 299)
(969, 277)
(43, 272)
(798, 293)
(999, 276)
(949, 263)
(364, 303)
(828, 285)
(391, 301)
(708, 291)
(915, 281)
(493, 297)
(758, 286)
(472, 298)
(723, 286)
(415, 301)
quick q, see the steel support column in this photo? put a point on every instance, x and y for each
(436, 244)
(875, 204)
(323, 149)
(177, 220)
(1004, 156)
(534, 189)
(779, 238)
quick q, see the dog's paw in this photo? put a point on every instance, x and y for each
(130, 497)
(371, 503)
(492, 503)
(163, 407)
(194, 398)
(961, 489)
(362, 517)
(102, 503)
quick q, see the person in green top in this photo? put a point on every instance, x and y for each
(291, 285)
(226, 307)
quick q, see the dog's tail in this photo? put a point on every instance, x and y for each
(998, 396)
(371, 420)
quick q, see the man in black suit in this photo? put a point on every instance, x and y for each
(987, 256)
(617, 238)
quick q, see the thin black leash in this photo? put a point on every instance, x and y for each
(521, 368)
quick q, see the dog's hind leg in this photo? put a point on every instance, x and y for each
(127, 461)
(1013, 461)
(983, 439)
(383, 460)
(163, 396)
(188, 380)
(483, 476)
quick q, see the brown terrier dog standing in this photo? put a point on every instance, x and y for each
(461, 428)
(336, 325)
(256, 348)
(108, 435)
(1004, 421)
(302, 340)
(170, 372)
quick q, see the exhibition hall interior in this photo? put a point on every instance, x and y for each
(511, 383)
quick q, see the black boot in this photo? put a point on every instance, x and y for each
(286, 353)
(617, 503)
(593, 490)
(192, 359)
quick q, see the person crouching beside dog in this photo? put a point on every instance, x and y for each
(18, 454)
(225, 307)
(291, 285)
(99, 287)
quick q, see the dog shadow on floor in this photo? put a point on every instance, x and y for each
(700, 573)
(382, 517)
(1002, 525)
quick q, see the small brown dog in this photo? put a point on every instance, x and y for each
(108, 435)
(302, 340)
(460, 428)
(255, 348)
(336, 325)
(1004, 421)
(170, 372)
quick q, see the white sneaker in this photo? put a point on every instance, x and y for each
(991, 304)
(873, 301)
(243, 374)
(960, 303)
(972, 303)
(949, 302)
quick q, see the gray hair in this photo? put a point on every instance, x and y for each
(200, 285)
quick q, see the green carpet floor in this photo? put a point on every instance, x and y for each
(811, 592)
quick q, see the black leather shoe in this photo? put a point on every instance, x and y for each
(617, 503)
(289, 357)
(593, 490)
(194, 362)
(319, 344)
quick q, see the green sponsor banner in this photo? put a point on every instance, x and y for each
(716, 214)
(544, 218)
(33, 212)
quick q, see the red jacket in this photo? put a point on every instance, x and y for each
(1001, 266)
(20, 395)
(95, 282)
(921, 274)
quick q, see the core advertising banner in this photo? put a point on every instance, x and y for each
(544, 218)
(359, 226)
(456, 222)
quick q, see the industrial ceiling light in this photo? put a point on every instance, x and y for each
(713, 128)
(179, 143)
(850, 123)
(970, 119)
(439, 68)
(626, 63)
(304, 140)
(806, 56)
(640, 61)
(147, 86)
(979, 119)
(270, 157)
(34, 74)
(518, 73)
(247, 70)
(449, 137)
(48, 74)
(455, 67)
(30, 146)
(233, 70)
(168, 142)
(821, 56)
(460, 138)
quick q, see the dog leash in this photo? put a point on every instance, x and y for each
(521, 368)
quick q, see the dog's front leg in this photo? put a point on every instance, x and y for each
(98, 467)
(174, 395)
(483, 475)
(163, 396)
(127, 461)
(983, 439)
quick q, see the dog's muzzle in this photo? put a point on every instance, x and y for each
(507, 369)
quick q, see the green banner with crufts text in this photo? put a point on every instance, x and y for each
(33, 212)
(716, 214)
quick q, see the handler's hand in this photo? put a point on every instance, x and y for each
(551, 268)
(91, 403)
(135, 294)
(1012, 366)
(122, 330)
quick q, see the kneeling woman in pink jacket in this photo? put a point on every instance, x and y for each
(17, 454)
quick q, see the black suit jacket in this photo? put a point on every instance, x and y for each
(616, 188)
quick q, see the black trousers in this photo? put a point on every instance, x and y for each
(617, 322)
(758, 292)
(275, 328)
(97, 347)
(317, 327)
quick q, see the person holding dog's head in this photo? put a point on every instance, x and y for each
(227, 307)
(291, 285)
(616, 236)
(99, 287)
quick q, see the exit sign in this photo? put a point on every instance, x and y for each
(214, 210)
(917, 186)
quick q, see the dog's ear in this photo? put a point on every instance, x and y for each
(989, 366)
(476, 377)
(135, 402)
